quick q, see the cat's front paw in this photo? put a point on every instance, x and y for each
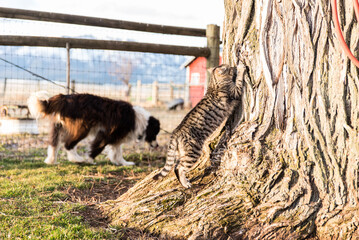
(186, 185)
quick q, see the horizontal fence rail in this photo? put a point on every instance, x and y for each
(10, 40)
(99, 22)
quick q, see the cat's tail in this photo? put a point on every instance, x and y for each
(171, 159)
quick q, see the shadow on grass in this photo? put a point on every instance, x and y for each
(94, 217)
(31, 161)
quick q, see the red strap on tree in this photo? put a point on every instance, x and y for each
(339, 31)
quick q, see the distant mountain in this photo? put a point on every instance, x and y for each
(90, 66)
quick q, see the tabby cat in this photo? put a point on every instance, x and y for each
(188, 139)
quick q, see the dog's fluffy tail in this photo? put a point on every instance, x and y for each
(37, 103)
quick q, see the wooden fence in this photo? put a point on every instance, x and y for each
(211, 52)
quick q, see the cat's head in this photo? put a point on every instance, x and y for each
(226, 81)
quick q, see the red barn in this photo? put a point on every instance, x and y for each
(196, 78)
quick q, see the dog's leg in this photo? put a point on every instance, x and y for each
(115, 155)
(97, 146)
(51, 155)
(74, 157)
(53, 147)
(72, 140)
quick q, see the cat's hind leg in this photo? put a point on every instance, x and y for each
(181, 176)
(184, 165)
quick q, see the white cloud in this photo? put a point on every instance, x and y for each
(39, 51)
(195, 13)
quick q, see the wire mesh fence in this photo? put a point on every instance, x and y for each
(147, 79)
(107, 73)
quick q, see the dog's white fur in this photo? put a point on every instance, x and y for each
(34, 105)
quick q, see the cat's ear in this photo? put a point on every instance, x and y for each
(210, 70)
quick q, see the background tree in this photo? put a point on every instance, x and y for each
(122, 69)
(288, 167)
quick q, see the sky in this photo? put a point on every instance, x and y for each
(183, 13)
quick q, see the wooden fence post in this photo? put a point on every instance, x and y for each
(138, 92)
(213, 41)
(4, 88)
(171, 91)
(187, 100)
(68, 68)
(73, 89)
(155, 93)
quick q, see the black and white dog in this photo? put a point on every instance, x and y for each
(110, 122)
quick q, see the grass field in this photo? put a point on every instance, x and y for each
(38, 201)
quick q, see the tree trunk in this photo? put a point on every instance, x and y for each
(288, 167)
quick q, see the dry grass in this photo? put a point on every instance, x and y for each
(61, 202)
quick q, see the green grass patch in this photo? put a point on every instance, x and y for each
(38, 201)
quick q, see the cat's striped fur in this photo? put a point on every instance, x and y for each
(187, 140)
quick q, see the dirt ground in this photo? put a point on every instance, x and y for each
(104, 191)
(114, 186)
(103, 187)
(22, 147)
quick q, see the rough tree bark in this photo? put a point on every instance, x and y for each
(288, 167)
